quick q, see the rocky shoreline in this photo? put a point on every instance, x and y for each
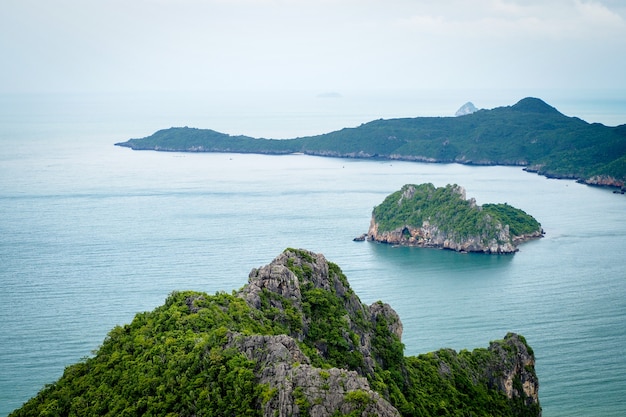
(596, 180)
(423, 237)
(540, 139)
(446, 224)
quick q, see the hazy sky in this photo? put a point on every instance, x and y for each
(324, 45)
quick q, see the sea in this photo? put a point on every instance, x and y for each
(92, 233)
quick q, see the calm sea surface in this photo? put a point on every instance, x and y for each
(91, 234)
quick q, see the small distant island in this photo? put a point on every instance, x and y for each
(530, 134)
(426, 216)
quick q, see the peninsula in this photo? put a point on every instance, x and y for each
(426, 216)
(530, 134)
(295, 341)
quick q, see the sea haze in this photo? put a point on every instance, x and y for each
(91, 234)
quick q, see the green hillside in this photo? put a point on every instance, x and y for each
(428, 216)
(296, 341)
(448, 208)
(530, 133)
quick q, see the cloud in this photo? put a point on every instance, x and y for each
(325, 44)
(598, 15)
(555, 20)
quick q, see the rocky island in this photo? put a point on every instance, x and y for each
(529, 134)
(426, 216)
(295, 341)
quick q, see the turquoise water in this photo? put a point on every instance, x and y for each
(90, 234)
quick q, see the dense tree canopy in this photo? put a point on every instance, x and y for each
(176, 360)
(530, 133)
(453, 214)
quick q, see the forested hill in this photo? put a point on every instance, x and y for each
(294, 341)
(530, 133)
(441, 217)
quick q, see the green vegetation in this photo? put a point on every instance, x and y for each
(330, 341)
(178, 360)
(448, 210)
(446, 383)
(519, 222)
(530, 133)
(167, 362)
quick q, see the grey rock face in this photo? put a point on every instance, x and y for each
(467, 108)
(285, 286)
(495, 237)
(298, 387)
(514, 372)
(275, 278)
(430, 236)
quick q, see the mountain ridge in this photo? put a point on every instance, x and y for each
(530, 134)
(295, 340)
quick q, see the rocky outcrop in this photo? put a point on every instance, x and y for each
(512, 371)
(467, 108)
(605, 181)
(295, 341)
(278, 288)
(301, 388)
(430, 217)
(430, 236)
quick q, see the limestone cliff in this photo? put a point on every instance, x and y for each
(302, 389)
(295, 278)
(512, 370)
(295, 341)
(426, 216)
(288, 282)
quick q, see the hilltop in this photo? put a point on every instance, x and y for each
(530, 133)
(427, 216)
(294, 341)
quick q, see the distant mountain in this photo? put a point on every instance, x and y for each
(530, 133)
(467, 108)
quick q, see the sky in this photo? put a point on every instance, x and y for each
(322, 45)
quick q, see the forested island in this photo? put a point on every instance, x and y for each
(530, 134)
(295, 341)
(426, 216)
